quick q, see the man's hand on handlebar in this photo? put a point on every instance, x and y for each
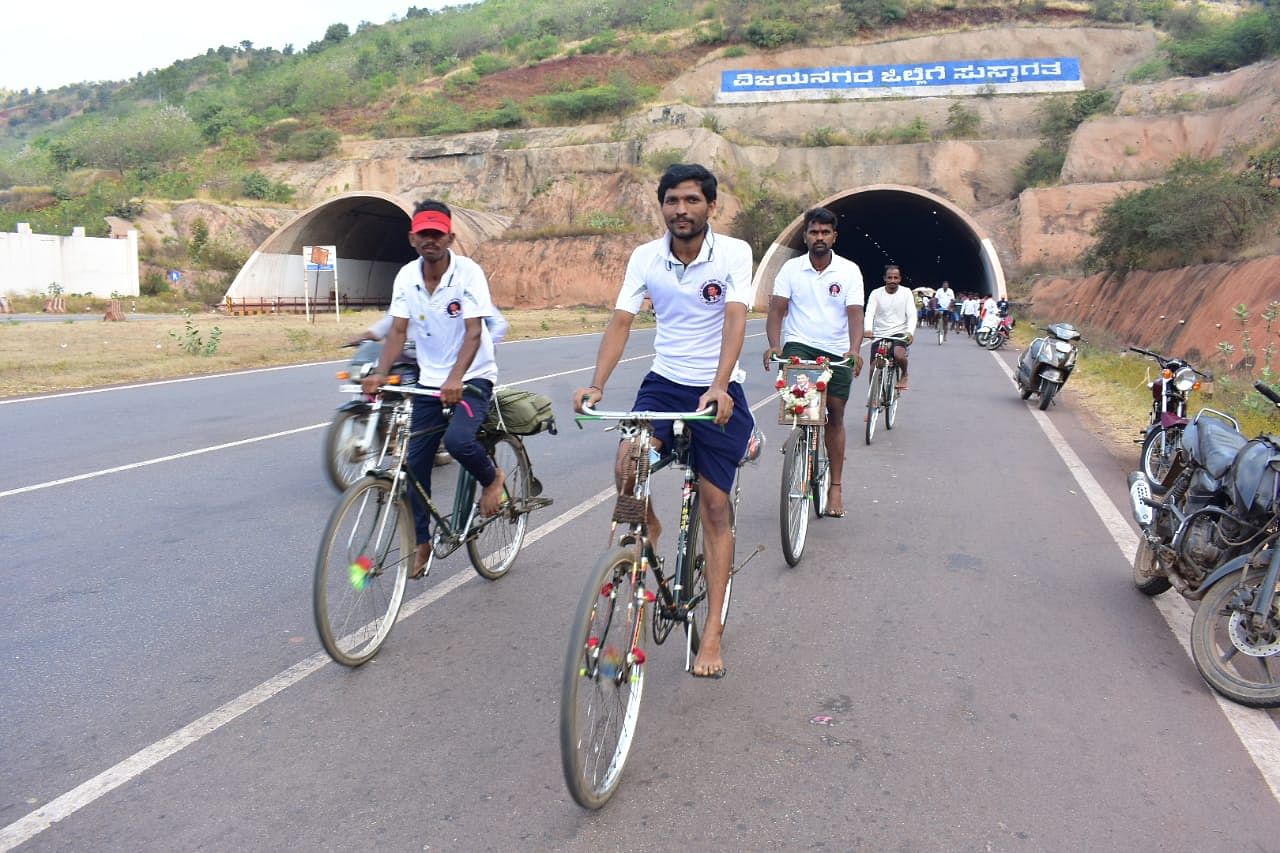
(451, 392)
(371, 383)
(718, 397)
(769, 355)
(590, 395)
(855, 360)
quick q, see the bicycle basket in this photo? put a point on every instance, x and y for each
(520, 413)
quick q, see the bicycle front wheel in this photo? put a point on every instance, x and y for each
(694, 579)
(793, 509)
(603, 680)
(494, 548)
(873, 401)
(361, 571)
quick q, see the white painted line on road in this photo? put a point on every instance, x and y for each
(132, 465)
(60, 808)
(1255, 728)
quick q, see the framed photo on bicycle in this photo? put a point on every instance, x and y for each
(803, 390)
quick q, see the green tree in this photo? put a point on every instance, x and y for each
(146, 138)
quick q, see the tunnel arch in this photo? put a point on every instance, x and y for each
(929, 237)
(369, 230)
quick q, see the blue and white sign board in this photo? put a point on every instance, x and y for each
(916, 79)
(175, 276)
(320, 258)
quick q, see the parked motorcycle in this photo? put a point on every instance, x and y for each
(1047, 363)
(1163, 433)
(1215, 537)
(357, 436)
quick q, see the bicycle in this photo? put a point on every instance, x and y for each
(806, 471)
(369, 541)
(605, 663)
(943, 319)
(883, 390)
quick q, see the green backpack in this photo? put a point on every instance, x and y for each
(521, 413)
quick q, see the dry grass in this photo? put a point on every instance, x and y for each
(43, 357)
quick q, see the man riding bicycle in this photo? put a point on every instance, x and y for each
(946, 300)
(891, 310)
(442, 301)
(700, 286)
(816, 310)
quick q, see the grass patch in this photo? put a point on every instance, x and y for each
(44, 357)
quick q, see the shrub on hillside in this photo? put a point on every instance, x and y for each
(1201, 210)
(772, 33)
(310, 144)
(1228, 43)
(762, 220)
(872, 13)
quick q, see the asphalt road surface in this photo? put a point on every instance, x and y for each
(961, 664)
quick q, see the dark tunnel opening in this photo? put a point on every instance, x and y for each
(927, 240)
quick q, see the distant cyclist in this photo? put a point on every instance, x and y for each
(946, 299)
(892, 311)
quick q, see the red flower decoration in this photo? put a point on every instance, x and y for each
(795, 359)
(780, 384)
(797, 391)
(822, 359)
(798, 409)
(821, 386)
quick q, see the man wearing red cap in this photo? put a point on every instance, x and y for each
(441, 301)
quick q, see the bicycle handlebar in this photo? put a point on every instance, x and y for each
(801, 362)
(590, 414)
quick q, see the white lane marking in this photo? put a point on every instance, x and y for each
(132, 465)
(1255, 728)
(197, 452)
(62, 807)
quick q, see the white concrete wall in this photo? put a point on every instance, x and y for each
(267, 274)
(100, 266)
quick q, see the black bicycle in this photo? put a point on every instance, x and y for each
(369, 541)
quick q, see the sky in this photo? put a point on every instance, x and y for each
(77, 40)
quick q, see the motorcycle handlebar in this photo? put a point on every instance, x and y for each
(1267, 391)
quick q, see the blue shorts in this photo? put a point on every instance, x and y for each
(716, 450)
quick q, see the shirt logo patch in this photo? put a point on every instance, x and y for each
(712, 292)
(454, 308)
(835, 289)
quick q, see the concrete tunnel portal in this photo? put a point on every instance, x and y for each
(930, 238)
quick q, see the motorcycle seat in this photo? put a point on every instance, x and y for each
(1252, 482)
(1215, 445)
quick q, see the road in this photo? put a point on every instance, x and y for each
(961, 664)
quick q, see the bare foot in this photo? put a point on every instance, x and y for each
(492, 494)
(835, 501)
(420, 557)
(902, 385)
(708, 663)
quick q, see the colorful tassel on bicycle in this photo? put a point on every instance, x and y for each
(359, 572)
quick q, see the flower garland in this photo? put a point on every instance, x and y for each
(797, 398)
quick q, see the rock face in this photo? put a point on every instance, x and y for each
(1184, 312)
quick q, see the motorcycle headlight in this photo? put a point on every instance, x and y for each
(1063, 347)
(1184, 380)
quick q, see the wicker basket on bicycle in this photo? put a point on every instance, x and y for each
(803, 390)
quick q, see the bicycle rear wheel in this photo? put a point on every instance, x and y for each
(793, 510)
(891, 398)
(361, 571)
(873, 401)
(603, 680)
(494, 548)
(821, 474)
(694, 579)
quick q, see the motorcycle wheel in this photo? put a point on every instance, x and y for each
(1234, 659)
(981, 336)
(345, 461)
(1158, 451)
(1047, 390)
(1146, 572)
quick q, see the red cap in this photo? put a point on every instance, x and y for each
(432, 220)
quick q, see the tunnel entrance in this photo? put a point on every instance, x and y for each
(930, 238)
(369, 231)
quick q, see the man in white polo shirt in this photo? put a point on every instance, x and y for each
(891, 311)
(442, 301)
(816, 310)
(946, 301)
(700, 286)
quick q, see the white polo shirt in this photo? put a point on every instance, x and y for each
(890, 314)
(945, 297)
(818, 314)
(689, 303)
(437, 320)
